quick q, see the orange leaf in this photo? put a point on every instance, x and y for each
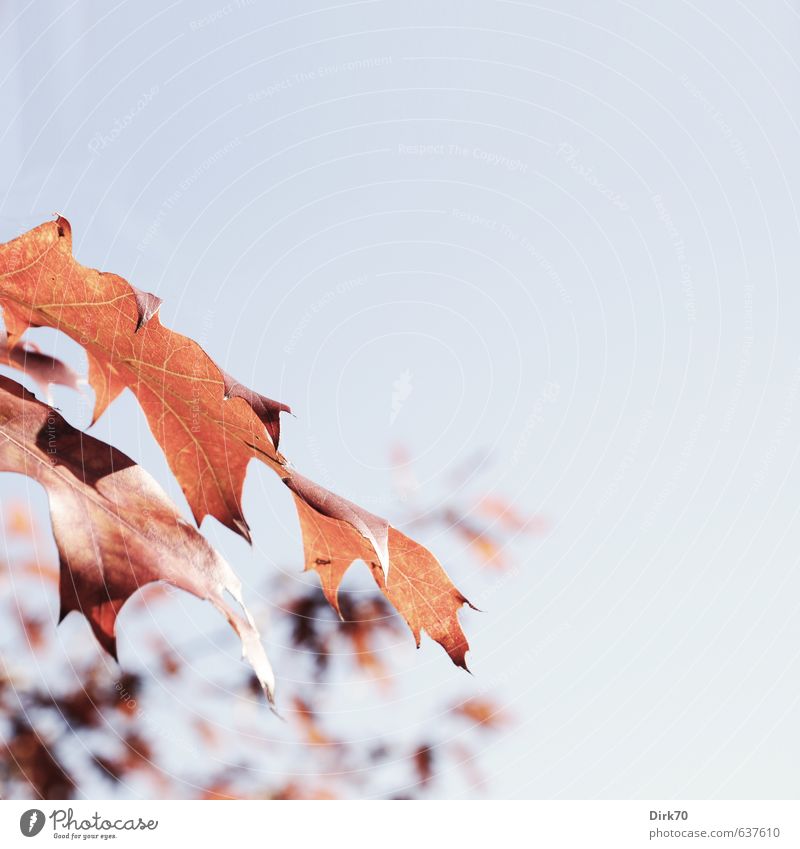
(208, 425)
(18, 520)
(308, 721)
(508, 516)
(416, 584)
(482, 712)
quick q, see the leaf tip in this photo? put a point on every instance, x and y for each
(147, 305)
(63, 228)
(465, 600)
(240, 526)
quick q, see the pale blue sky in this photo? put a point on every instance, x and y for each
(574, 227)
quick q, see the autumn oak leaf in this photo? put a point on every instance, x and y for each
(114, 527)
(210, 426)
(415, 584)
(206, 425)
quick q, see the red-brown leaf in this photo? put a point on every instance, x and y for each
(43, 368)
(114, 527)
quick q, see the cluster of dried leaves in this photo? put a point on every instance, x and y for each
(69, 724)
(115, 529)
(67, 718)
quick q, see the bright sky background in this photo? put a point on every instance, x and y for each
(572, 226)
